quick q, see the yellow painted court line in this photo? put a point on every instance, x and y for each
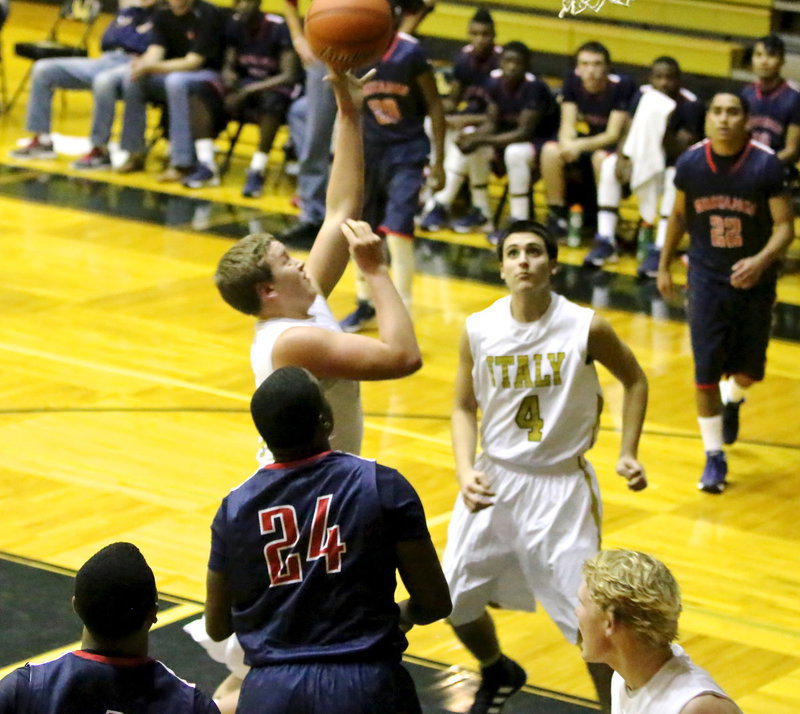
(167, 617)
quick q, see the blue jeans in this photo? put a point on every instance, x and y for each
(104, 75)
(173, 89)
(315, 154)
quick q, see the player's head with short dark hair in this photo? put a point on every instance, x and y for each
(290, 411)
(745, 105)
(597, 48)
(668, 61)
(550, 243)
(483, 17)
(240, 271)
(115, 592)
(772, 44)
(520, 48)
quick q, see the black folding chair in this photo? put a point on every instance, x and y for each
(80, 13)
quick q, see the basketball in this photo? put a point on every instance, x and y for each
(349, 33)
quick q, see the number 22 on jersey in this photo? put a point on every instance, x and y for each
(285, 567)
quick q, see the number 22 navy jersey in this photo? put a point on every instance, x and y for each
(308, 550)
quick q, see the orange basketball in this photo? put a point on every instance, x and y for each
(349, 33)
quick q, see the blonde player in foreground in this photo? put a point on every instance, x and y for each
(628, 618)
(529, 511)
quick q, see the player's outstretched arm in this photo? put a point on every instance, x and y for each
(329, 256)
(218, 606)
(676, 227)
(421, 573)
(346, 356)
(606, 347)
(475, 488)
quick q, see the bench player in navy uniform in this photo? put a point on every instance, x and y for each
(774, 102)
(684, 127)
(396, 149)
(594, 112)
(117, 600)
(733, 201)
(260, 77)
(303, 562)
(465, 106)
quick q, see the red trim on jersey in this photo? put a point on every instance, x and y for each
(383, 230)
(735, 167)
(704, 387)
(299, 462)
(388, 53)
(772, 92)
(116, 661)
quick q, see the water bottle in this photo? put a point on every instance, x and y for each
(575, 226)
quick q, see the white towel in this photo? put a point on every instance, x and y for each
(644, 143)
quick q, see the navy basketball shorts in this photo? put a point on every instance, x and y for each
(729, 328)
(272, 102)
(391, 189)
(329, 688)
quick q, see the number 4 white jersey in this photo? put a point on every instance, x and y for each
(538, 392)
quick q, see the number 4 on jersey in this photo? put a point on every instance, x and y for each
(528, 417)
(285, 569)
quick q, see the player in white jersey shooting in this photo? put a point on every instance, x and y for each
(628, 617)
(528, 515)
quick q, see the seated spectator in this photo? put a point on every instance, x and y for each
(318, 620)
(259, 80)
(126, 37)
(594, 112)
(117, 601)
(628, 610)
(186, 51)
(667, 119)
(774, 102)
(465, 106)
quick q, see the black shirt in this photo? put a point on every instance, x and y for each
(200, 30)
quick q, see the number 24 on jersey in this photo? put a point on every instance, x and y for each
(285, 567)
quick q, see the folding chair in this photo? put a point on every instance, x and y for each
(72, 12)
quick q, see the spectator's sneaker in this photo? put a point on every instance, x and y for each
(648, 268)
(473, 222)
(35, 149)
(359, 318)
(435, 219)
(602, 252)
(97, 158)
(498, 682)
(202, 176)
(558, 226)
(730, 421)
(254, 186)
(714, 473)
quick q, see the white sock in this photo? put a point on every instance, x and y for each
(204, 148)
(480, 199)
(661, 232)
(44, 138)
(607, 225)
(711, 432)
(519, 207)
(730, 391)
(402, 251)
(259, 162)
(452, 184)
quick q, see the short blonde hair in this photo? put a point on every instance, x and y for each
(639, 590)
(242, 268)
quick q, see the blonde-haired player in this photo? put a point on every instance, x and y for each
(628, 618)
(529, 510)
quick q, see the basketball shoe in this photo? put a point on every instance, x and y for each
(499, 681)
(715, 472)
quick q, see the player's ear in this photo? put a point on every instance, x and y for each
(553, 267)
(265, 291)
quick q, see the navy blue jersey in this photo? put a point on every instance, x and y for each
(259, 49)
(594, 109)
(87, 683)
(308, 550)
(531, 93)
(772, 112)
(472, 71)
(727, 207)
(395, 108)
(201, 30)
(131, 30)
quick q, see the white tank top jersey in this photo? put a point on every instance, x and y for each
(669, 690)
(342, 394)
(539, 396)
